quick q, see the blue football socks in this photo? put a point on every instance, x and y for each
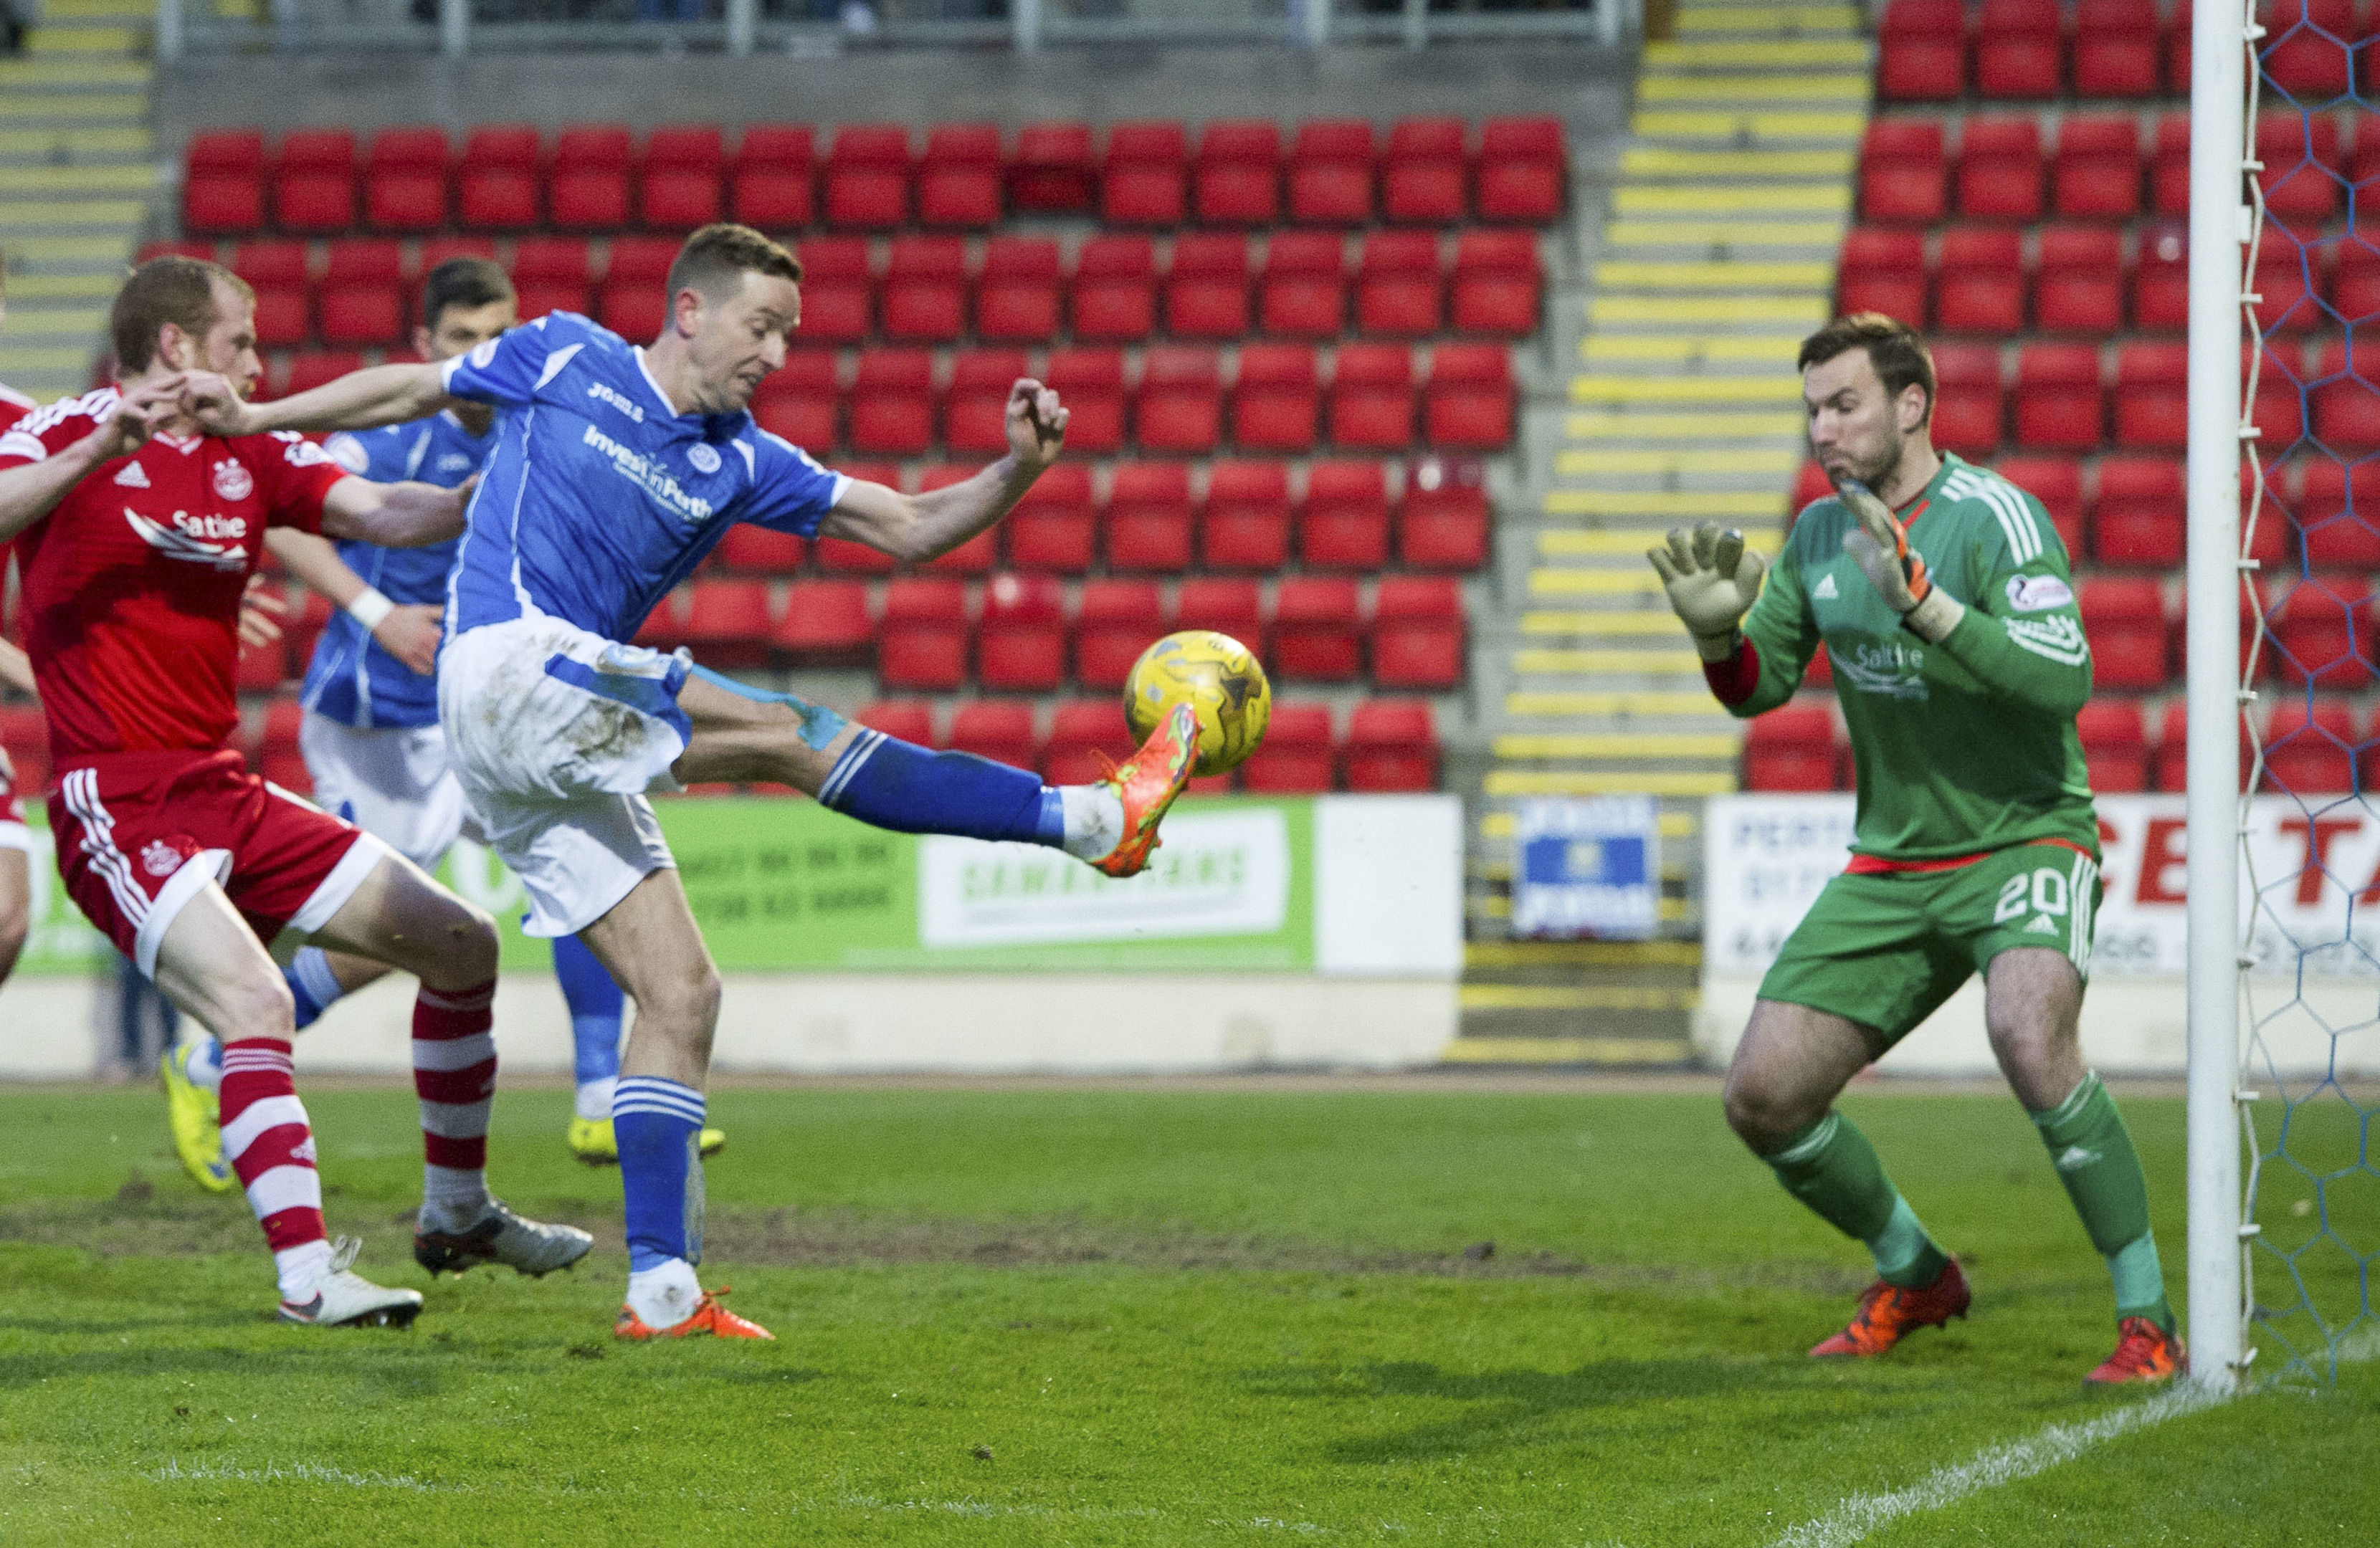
(311, 984)
(889, 783)
(595, 1006)
(658, 1123)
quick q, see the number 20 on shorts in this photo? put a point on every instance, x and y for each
(2042, 892)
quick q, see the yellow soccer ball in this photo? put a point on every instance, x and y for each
(1216, 675)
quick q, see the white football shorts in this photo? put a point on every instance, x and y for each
(391, 781)
(556, 734)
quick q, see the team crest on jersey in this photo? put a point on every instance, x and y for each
(349, 452)
(704, 456)
(233, 480)
(2038, 593)
(160, 859)
(130, 476)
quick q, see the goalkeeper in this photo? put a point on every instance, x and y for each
(1960, 669)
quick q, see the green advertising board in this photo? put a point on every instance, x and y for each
(781, 884)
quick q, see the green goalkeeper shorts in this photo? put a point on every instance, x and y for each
(1887, 948)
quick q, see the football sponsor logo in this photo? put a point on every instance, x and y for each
(2038, 593)
(1825, 591)
(654, 480)
(130, 476)
(160, 858)
(1891, 670)
(232, 480)
(704, 456)
(455, 461)
(195, 539)
(597, 390)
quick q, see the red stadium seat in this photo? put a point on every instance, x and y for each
(1792, 747)
(2151, 395)
(910, 720)
(1148, 518)
(1496, 280)
(315, 368)
(405, 180)
(1442, 523)
(2289, 278)
(1397, 286)
(2279, 404)
(1115, 290)
(2306, 52)
(1903, 174)
(1423, 180)
(2058, 396)
(1000, 730)
(1116, 621)
(1371, 397)
(1236, 180)
(1298, 755)
(2115, 745)
(1245, 524)
(1021, 638)
(2019, 48)
(1523, 165)
(2355, 284)
(1317, 630)
(1144, 176)
(497, 181)
(1303, 293)
(1090, 382)
(2137, 519)
(1016, 300)
(2096, 175)
(1052, 172)
(838, 285)
(436, 251)
(2172, 760)
(1922, 51)
(2339, 513)
(588, 190)
(2079, 280)
(551, 275)
(727, 621)
(773, 181)
(2000, 168)
(1968, 398)
(757, 550)
(893, 402)
(1179, 405)
(867, 176)
(2125, 623)
(1417, 632)
(1883, 270)
(640, 261)
(1227, 605)
(1206, 287)
(222, 184)
(921, 639)
(361, 301)
(1088, 738)
(1052, 527)
(2302, 175)
(959, 181)
(2056, 482)
(1392, 745)
(1344, 524)
(1468, 404)
(1277, 401)
(2321, 633)
(2116, 48)
(2346, 398)
(799, 400)
(680, 187)
(276, 271)
(2161, 281)
(634, 301)
(2309, 750)
(976, 417)
(2169, 166)
(315, 188)
(979, 555)
(1331, 166)
(925, 290)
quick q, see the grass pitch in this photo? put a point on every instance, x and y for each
(1043, 1316)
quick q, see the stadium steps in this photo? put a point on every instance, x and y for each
(78, 169)
(1715, 255)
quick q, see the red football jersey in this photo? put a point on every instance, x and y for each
(132, 584)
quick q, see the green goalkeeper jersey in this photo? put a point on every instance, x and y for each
(1961, 746)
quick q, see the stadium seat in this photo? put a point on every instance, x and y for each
(1206, 287)
(910, 720)
(2355, 280)
(1921, 52)
(634, 300)
(2309, 750)
(2020, 46)
(1144, 175)
(361, 299)
(1236, 180)
(1230, 606)
(1442, 524)
(1345, 522)
(1417, 632)
(1052, 527)
(1904, 176)
(2056, 482)
(1468, 403)
(1397, 286)
(2116, 48)
(1790, 749)
(2096, 172)
(924, 297)
(921, 639)
(974, 417)
(1882, 270)
(2288, 279)
(2137, 519)
(1016, 299)
(1968, 398)
(1179, 404)
(1113, 624)
(1090, 382)
(727, 622)
(2345, 398)
(838, 289)
(1277, 401)
(276, 271)
(2078, 283)
(1303, 291)
(2307, 47)
(497, 182)
(773, 183)
(2321, 633)
(1298, 755)
(1087, 737)
(1423, 179)
(1052, 171)
(405, 180)
(2151, 395)
(436, 251)
(642, 261)
(2115, 745)
(1331, 165)
(893, 402)
(2125, 623)
(1001, 730)
(222, 183)
(958, 181)
(1498, 277)
(313, 367)
(1245, 522)
(2170, 166)
(2058, 396)
(979, 555)
(840, 556)
(1317, 630)
(1371, 397)
(1115, 290)
(1981, 282)
(747, 550)
(1148, 518)
(798, 401)
(2302, 175)
(1020, 641)
(314, 183)
(1392, 745)
(679, 188)
(2161, 281)
(2338, 510)
(2000, 168)
(1523, 165)
(866, 179)
(551, 275)
(2280, 401)
(588, 188)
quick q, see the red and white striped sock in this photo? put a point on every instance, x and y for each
(270, 1143)
(455, 1076)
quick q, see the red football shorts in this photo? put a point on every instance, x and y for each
(141, 834)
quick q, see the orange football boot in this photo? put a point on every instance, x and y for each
(1147, 785)
(2145, 1352)
(1886, 1311)
(709, 1317)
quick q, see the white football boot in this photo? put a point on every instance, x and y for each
(345, 1299)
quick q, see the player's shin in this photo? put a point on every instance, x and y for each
(596, 1004)
(270, 1143)
(455, 1077)
(659, 1123)
(899, 785)
(1831, 1167)
(2094, 1155)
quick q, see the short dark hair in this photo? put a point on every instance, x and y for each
(1893, 347)
(170, 289)
(715, 258)
(469, 283)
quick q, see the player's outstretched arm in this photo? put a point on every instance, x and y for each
(394, 516)
(32, 489)
(409, 631)
(917, 527)
(359, 401)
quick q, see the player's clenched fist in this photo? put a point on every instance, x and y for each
(1712, 580)
(1879, 544)
(1037, 424)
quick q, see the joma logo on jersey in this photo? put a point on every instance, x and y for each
(1892, 670)
(655, 481)
(597, 390)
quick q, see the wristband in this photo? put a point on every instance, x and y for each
(1935, 616)
(1719, 647)
(369, 607)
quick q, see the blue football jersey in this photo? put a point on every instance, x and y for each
(598, 497)
(351, 678)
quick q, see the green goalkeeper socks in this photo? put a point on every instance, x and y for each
(1831, 1167)
(2095, 1160)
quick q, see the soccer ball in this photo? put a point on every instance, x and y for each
(1216, 675)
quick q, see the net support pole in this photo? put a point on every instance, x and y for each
(2216, 232)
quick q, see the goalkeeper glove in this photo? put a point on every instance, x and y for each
(1879, 544)
(1712, 581)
